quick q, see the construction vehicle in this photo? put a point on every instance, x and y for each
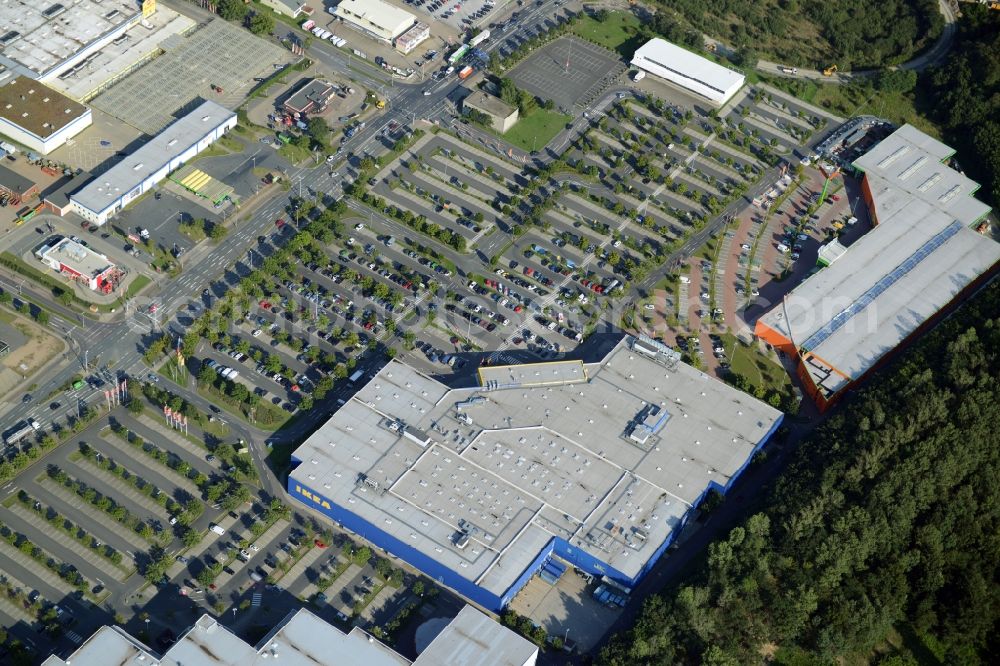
(829, 178)
(830, 71)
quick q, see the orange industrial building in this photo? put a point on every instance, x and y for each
(926, 250)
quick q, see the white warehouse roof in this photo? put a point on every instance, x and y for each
(303, 639)
(594, 454)
(377, 17)
(152, 156)
(688, 70)
(922, 253)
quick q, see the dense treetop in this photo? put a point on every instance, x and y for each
(887, 517)
(963, 96)
(854, 34)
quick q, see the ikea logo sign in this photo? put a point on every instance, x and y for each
(318, 500)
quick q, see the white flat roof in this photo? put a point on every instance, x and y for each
(532, 456)
(303, 639)
(922, 253)
(40, 36)
(389, 21)
(831, 251)
(113, 59)
(81, 259)
(907, 165)
(687, 69)
(473, 639)
(152, 156)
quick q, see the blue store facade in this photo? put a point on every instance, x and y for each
(469, 589)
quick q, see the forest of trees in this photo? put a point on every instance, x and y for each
(963, 97)
(886, 517)
(855, 34)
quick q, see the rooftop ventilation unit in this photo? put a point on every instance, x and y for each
(657, 351)
(474, 401)
(53, 11)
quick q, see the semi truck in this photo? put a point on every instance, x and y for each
(480, 38)
(18, 432)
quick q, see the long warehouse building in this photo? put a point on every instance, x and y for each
(303, 639)
(110, 192)
(375, 18)
(688, 70)
(928, 247)
(598, 464)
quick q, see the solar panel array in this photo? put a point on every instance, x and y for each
(876, 290)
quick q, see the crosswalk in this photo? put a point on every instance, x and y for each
(255, 600)
(502, 358)
(74, 637)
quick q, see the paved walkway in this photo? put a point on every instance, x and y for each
(137, 458)
(124, 534)
(124, 488)
(311, 557)
(164, 431)
(40, 570)
(89, 557)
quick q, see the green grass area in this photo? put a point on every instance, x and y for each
(280, 457)
(854, 100)
(215, 150)
(231, 144)
(175, 373)
(533, 132)
(618, 32)
(759, 370)
(215, 427)
(268, 416)
(137, 285)
(294, 154)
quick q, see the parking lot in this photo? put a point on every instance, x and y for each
(81, 534)
(217, 56)
(759, 258)
(459, 15)
(569, 71)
